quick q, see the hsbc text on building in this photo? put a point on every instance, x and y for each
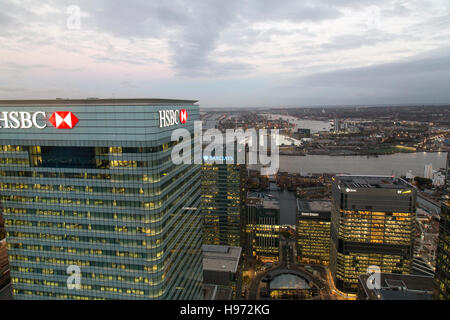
(22, 120)
(38, 119)
(169, 118)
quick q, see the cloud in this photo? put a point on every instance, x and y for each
(375, 75)
(300, 46)
(423, 80)
(194, 29)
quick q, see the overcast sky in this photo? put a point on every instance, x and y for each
(228, 53)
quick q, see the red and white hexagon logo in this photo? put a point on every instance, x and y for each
(183, 116)
(63, 120)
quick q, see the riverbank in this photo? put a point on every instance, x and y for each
(393, 164)
(348, 153)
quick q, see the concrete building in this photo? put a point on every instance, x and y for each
(428, 171)
(222, 267)
(438, 179)
(396, 287)
(90, 184)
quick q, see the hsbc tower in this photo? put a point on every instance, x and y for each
(94, 207)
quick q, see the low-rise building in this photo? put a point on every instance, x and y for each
(393, 286)
(222, 267)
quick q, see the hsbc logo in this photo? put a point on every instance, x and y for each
(63, 120)
(27, 120)
(183, 116)
(169, 118)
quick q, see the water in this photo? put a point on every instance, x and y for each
(313, 125)
(393, 164)
(288, 205)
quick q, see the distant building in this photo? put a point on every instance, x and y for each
(442, 277)
(409, 175)
(428, 171)
(372, 224)
(313, 231)
(221, 267)
(447, 173)
(336, 125)
(262, 227)
(302, 133)
(396, 287)
(256, 181)
(438, 179)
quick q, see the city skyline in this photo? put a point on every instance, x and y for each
(94, 199)
(224, 155)
(239, 54)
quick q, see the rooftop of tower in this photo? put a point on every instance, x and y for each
(93, 102)
(379, 182)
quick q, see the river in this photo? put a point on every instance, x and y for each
(394, 164)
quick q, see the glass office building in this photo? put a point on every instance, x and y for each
(90, 183)
(442, 277)
(224, 190)
(262, 227)
(313, 231)
(372, 224)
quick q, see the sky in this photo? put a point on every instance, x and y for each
(234, 53)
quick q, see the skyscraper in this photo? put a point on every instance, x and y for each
(224, 190)
(88, 186)
(372, 224)
(262, 227)
(442, 277)
(313, 231)
(428, 171)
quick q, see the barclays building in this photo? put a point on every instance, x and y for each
(94, 207)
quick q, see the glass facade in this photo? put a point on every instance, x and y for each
(313, 234)
(103, 196)
(372, 224)
(442, 279)
(223, 203)
(262, 229)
